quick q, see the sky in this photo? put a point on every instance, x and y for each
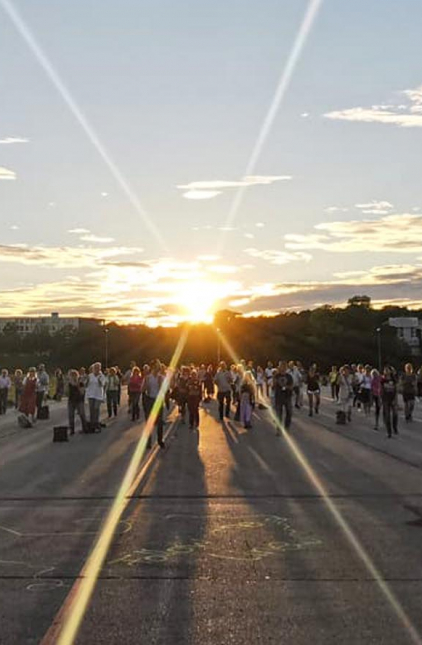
(161, 160)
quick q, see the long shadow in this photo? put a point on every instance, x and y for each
(158, 559)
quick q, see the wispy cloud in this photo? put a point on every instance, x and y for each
(61, 257)
(12, 140)
(213, 188)
(405, 115)
(7, 174)
(97, 239)
(376, 208)
(397, 233)
(79, 231)
(278, 257)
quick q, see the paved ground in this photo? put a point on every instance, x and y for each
(230, 540)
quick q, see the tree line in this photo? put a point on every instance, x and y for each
(326, 335)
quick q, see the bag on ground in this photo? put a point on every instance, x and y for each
(60, 433)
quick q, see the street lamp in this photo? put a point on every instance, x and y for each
(378, 330)
(218, 346)
(106, 330)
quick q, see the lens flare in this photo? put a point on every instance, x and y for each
(64, 632)
(308, 21)
(23, 29)
(340, 520)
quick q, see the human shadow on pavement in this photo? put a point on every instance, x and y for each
(153, 567)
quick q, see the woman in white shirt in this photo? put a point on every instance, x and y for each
(95, 394)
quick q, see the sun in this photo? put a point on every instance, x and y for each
(198, 300)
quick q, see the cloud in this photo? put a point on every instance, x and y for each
(61, 257)
(97, 239)
(12, 140)
(403, 115)
(278, 257)
(336, 209)
(375, 208)
(213, 188)
(79, 231)
(398, 233)
(7, 174)
(201, 194)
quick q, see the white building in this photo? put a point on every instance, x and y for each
(409, 331)
(51, 324)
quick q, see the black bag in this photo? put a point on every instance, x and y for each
(43, 412)
(91, 428)
(341, 417)
(60, 433)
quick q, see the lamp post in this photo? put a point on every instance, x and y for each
(218, 346)
(378, 330)
(106, 330)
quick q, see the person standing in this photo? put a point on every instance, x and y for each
(409, 388)
(345, 391)
(314, 390)
(389, 401)
(58, 395)
(134, 388)
(269, 378)
(333, 379)
(296, 375)
(366, 390)
(283, 391)
(76, 400)
(376, 395)
(95, 395)
(28, 401)
(5, 384)
(194, 389)
(247, 399)
(18, 385)
(112, 385)
(209, 383)
(223, 382)
(43, 382)
(154, 398)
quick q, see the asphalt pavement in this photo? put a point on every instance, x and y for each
(236, 536)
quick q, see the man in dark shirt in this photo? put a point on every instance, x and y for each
(283, 389)
(389, 400)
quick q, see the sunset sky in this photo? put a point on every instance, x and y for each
(160, 160)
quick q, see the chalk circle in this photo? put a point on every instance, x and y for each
(45, 585)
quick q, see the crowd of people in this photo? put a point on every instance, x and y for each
(238, 388)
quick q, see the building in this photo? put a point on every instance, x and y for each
(25, 325)
(409, 331)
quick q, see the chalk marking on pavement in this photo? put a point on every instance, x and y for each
(67, 622)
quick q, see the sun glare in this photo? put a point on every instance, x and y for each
(198, 300)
